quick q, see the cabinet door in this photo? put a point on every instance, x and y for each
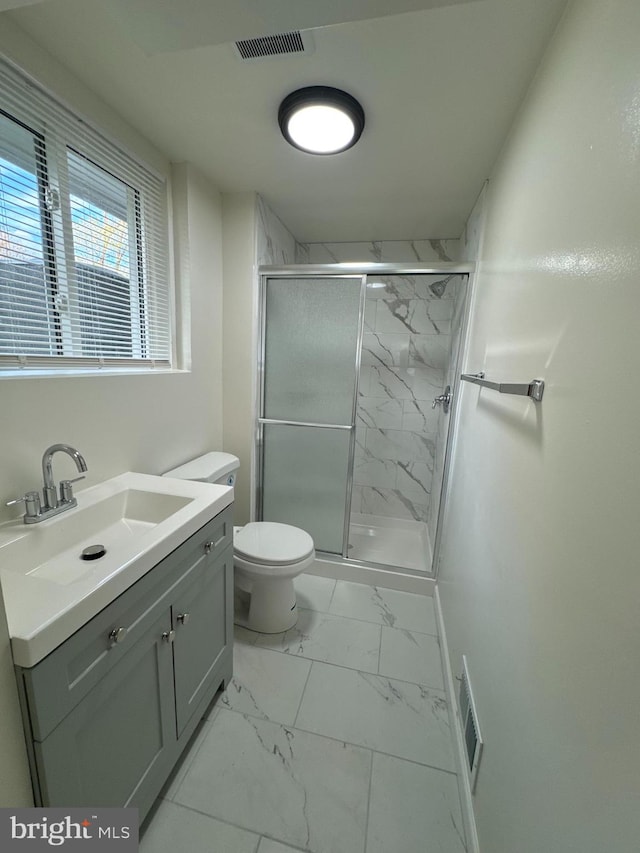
(109, 749)
(202, 613)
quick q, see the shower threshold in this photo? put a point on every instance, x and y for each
(390, 541)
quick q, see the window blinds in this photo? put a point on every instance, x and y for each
(83, 242)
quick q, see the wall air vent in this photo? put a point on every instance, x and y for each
(278, 45)
(470, 729)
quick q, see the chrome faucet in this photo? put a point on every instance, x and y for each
(51, 503)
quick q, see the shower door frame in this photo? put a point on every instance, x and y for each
(261, 421)
(349, 270)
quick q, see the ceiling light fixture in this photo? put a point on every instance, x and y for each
(321, 120)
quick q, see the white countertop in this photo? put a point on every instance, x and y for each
(49, 592)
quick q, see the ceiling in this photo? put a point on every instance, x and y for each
(440, 82)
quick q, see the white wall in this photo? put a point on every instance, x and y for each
(140, 423)
(539, 573)
(239, 212)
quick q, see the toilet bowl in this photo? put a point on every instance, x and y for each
(267, 555)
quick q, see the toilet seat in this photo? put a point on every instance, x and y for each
(272, 545)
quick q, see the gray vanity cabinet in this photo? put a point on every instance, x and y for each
(108, 750)
(198, 615)
(108, 712)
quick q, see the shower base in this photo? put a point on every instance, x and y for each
(390, 541)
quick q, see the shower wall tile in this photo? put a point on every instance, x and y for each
(391, 503)
(370, 310)
(406, 354)
(380, 413)
(395, 287)
(427, 383)
(384, 251)
(361, 438)
(459, 291)
(302, 253)
(428, 351)
(400, 383)
(420, 416)
(413, 316)
(275, 244)
(390, 350)
(394, 382)
(440, 309)
(370, 471)
(400, 446)
(414, 481)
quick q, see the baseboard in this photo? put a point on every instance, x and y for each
(464, 786)
(387, 579)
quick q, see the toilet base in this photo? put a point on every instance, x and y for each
(272, 606)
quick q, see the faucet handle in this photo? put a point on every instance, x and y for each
(66, 490)
(31, 502)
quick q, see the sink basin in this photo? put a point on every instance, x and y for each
(50, 590)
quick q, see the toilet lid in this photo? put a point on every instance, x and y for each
(271, 543)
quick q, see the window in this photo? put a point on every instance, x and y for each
(83, 236)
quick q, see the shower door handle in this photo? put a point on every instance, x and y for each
(443, 400)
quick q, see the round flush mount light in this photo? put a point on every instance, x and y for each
(321, 120)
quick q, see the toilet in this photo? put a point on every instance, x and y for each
(267, 555)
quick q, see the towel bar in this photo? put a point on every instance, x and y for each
(533, 389)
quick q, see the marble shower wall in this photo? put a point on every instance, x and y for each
(458, 291)
(405, 360)
(382, 251)
(275, 244)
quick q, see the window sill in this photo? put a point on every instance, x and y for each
(91, 372)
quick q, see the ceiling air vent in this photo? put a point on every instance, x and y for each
(277, 45)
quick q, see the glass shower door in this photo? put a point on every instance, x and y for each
(310, 359)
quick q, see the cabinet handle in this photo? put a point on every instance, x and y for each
(118, 635)
(169, 636)
(208, 547)
(183, 618)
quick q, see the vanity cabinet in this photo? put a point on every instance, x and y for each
(108, 712)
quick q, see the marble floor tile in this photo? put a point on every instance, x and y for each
(411, 657)
(402, 719)
(413, 808)
(175, 828)
(314, 592)
(242, 636)
(332, 639)
(266, 684)
(384, 606)
(295, 787)
(180, 770)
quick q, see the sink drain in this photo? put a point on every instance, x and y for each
(93, 552)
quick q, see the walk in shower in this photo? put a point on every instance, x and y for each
(350, 445)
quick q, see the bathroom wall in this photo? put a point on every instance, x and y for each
(382, 251)
(539, 576)
(139, 422)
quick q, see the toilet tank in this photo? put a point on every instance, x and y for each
(215, 467)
